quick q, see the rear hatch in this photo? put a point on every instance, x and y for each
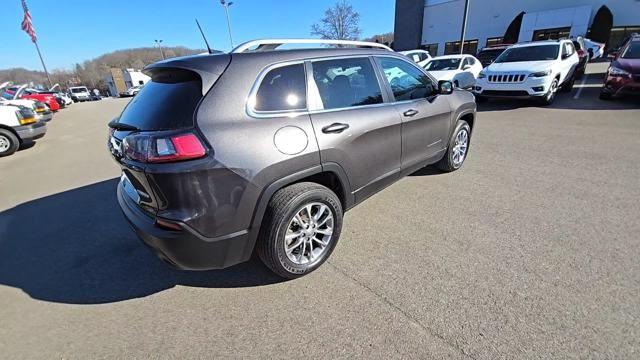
(158, 128)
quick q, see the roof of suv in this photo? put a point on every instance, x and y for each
(210, 66)
(541, 42)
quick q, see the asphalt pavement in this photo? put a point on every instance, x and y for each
(530, 251)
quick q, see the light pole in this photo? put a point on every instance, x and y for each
(464, 26)
(226, 11)
(159, 43)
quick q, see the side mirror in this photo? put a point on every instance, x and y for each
(613, 54)
(445, 87)
(464, 80)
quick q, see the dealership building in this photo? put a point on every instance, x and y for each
(436, 25)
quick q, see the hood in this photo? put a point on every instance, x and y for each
(444, 74)
(630, 65)
(520, 66)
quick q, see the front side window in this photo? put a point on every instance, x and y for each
(529, 53)
(407, 82)
(346, 82)
(282, 89)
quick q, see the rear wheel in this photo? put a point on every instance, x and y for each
(458, 148)
(568, 85)
(300, 230)
(9, 143)
(605, 95)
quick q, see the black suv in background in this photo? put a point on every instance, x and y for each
(268, 148)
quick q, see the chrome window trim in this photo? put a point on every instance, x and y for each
(250, 100)
(311, 87)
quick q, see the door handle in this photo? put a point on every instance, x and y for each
(335, 128)
(410, 113)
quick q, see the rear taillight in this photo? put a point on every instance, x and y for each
(155, 148)
(580, 53)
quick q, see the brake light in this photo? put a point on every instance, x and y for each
(154, 148)
(580, 53)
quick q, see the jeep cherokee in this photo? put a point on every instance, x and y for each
(268, 148)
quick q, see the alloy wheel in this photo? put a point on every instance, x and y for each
(5, 144)
(309, 233)
(460, 145)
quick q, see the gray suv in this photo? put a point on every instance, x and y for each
(266, 149)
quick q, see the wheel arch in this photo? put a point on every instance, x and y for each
(330, 175)
(11, 130)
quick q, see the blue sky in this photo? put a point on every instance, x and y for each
(71, 31)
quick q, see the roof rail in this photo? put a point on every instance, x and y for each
(272, 44)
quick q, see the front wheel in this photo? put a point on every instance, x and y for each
(457, 149)
(300, 230)
(9, 143)
(551, 94)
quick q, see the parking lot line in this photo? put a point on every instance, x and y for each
(582, 83)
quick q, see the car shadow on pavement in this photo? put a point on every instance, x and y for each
(76, 247)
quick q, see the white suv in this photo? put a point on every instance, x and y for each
(530, 70)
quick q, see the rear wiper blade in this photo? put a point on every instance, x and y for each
(114, 124)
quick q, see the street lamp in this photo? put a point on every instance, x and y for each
(159, 43)
(464, 26)
(226, 11)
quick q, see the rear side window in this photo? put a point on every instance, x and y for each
(346, 83)
(282, 89)
(407, 82)
(166, 102)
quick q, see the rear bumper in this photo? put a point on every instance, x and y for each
(45, 116)
(31, 132)
(185, 249)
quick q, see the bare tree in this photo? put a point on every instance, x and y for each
(340, 22)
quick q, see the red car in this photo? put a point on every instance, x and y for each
(48, 99)
(623, 76)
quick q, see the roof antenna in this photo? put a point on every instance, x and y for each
(204, 37)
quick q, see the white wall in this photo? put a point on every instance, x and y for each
(490, 18)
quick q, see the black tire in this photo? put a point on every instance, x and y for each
(605, 95)
(7, 137)
(568, 85)
(447, 163)
(551, 95)
(283, 206)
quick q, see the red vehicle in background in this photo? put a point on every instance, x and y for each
(18, 92)
(623, 75)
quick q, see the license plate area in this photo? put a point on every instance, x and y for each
(129, 189)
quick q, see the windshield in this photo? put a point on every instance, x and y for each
(77, 90)
(443, 64)
(529, 53)
(632, 51)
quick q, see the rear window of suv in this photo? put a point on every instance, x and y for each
(166, 102)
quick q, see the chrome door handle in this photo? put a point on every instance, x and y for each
(410, 113)
(335, 128)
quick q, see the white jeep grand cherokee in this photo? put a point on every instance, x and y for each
(530, 70)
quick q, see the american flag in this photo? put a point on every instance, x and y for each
(27, 25)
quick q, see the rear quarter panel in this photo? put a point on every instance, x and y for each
(244, 154)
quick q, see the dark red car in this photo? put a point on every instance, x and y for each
(48, 99)
(623, 76)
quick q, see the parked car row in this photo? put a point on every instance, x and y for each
(24, 112)
(535, 70)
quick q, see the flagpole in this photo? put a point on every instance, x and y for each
(43, 65)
